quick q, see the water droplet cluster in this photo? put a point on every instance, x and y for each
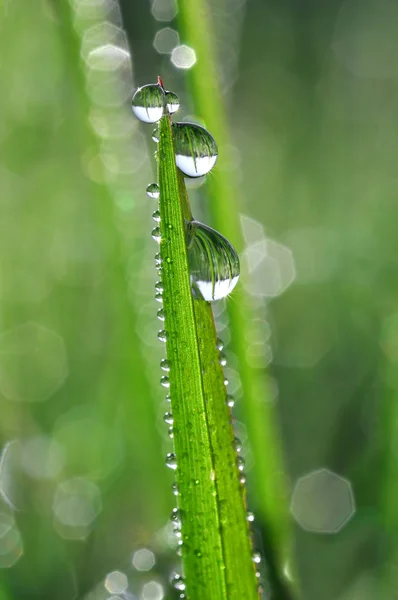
(213, 262)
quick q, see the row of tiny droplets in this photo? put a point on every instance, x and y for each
(153, 191)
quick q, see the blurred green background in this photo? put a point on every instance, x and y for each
(311, 93)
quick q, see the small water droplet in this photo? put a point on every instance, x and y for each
(256, 557)
(156, 134)
(157, 236)
(159, 286)
(165, 381)
(162, 336)
(222, 359)
(165, 364)
(168, 418)
(219, 342)
(226, 381)
(159, 271)
(171, 461)
(242, 478)
(174, 488)
(237, 444)
(172, 101)
(161, 314)
(179, 550)
(159, 298)
(178, 582)
(213, 262)
(197, 553)
(148, 103)
(171, 432)
(158, 259)
(176, 518)
(153, 191)
(250, 517)
(168, 398)
(196, 150)
(240, 463)
(156, 216)
(230, 400)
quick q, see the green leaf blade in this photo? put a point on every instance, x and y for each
(216, 539)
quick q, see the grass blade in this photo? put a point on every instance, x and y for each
(269, 500)
(217, 551)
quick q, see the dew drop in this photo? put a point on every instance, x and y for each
(179, 550)
(256, 557)
(156, 134)
(159, 298)
(168, 418)
(174, 488)
(171, 432)
(156, 216)
(159, 270)
(153, 191)
(168, 398)
(172, 101)
(171, 461)
(158, 259)
(213, 262)
(197, 553)
(242, 478)
(157, 236)
(160, 315)
(240, 463)
(162, 336)
(176, 518)
(250, 517)
(178, 582)
(165, 364)
(159, 286)
(196, 150)
(237, 444)
(219, 342)
(148, 103)
(230, 401)
(226, 381)
(222, 359)
(165, 381)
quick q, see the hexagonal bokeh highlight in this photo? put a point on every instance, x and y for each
(322, 502)
(116, 582)
(76, 504)
(11, 545)
(183, 57)
(33, 363)
(152, 591)
(165, 40)
(268, 267)
(164, 10)
(143, 559)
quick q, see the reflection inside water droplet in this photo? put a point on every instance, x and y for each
(148, 103)
(157, 236)
(172, 101)
(153, 191)
(213, 262)
(196, 150)
(171, 461)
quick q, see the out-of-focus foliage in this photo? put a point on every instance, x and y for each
(311, 93)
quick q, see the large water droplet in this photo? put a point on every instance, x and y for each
(172, 101)
(196, 150)
(213, 262)
(148, 103)
(157, 236)
(153, 190)
(171, 461)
